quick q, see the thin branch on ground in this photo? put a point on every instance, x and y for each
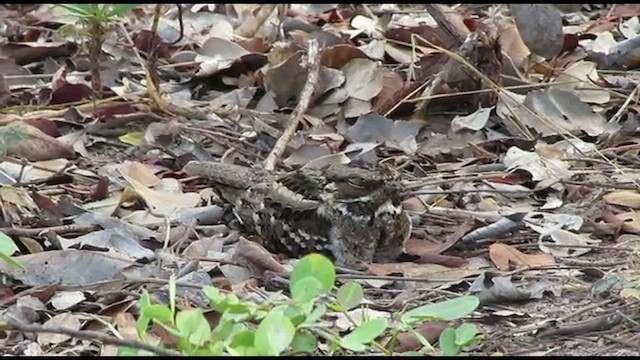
(62, 229)
(313, 64)
(249, 28)
(9, 323)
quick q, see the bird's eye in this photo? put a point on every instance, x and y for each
(356, 183)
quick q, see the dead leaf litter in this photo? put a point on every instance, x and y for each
(516, 139)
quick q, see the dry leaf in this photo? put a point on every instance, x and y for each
(624, 198)
(579, 78)
(256, 257)
(163, 200)
(140, 172)
(503, 255)
(564, 237)
(436, 273)
(548, 170)
(363, 80)
(30, 143)
(126, 325)
(429, 329)
(66, 320)
(393, 90)
(65, 299)
(338, 55)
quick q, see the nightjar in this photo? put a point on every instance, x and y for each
(347, 212)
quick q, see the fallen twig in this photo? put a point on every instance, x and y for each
(62, 229)
(540, 325)
(249, 28)
(83, 334)
(600, 323)
(313, 64)
(451, 27)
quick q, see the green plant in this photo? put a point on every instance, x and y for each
(97, 21)
(278, 325)
(445, 311)
(98, 13)
(452, 341)
(7, 249)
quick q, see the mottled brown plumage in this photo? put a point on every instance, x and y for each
(349, 213)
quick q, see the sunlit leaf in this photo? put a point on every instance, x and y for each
(304, 343)
(445, 310)
(316, 266)
(306, 289)
(364, 334)
(192, 325)
(274, 334)
(447, 342)
(466, 334)
(350, 295)
(132, 138)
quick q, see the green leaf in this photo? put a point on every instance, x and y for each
(133, 138)
(222, 331)
(304, 342)
(126, 351)
(143, 321)
(352, 345)
(217, 348)
(192, 325)
(364, 333)
(119, 9)
(145, 300)
(203, 352)
(307, 307)
(8, 248)
(234, 352)
(412, 353)
(158, 312)
(213, 294)
(295, 314)
(229, 304)
(316, 314)
(274, 334)
(242, 351)
(447, 342)
(444, 310)
(9, 260)
(77, 9)
(306, 289)
(243, 338)
(466, 334)
(350, 295)
(98, 13)
(315, 266)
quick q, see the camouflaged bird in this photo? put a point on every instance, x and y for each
(346, 212)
